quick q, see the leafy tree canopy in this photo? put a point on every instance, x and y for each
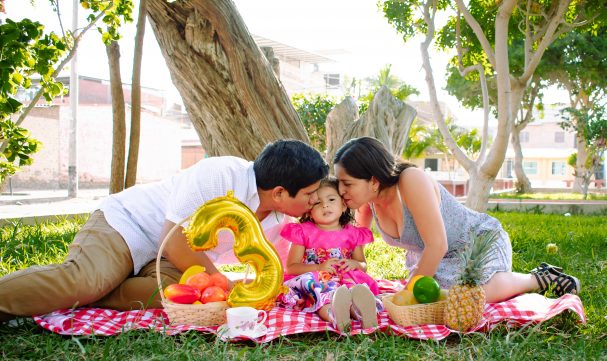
(313, 111)
(28, 53)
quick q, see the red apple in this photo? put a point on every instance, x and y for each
(181, 293)
(213, 294)
(200, 281)
(219, 280)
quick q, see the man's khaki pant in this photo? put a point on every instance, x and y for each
(96, 272)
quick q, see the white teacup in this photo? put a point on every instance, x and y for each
(245, 320)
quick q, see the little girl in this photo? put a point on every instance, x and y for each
(326, 263)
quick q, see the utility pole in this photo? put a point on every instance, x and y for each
(72, 170)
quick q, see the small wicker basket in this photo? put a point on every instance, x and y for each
(207, 314)
(420, 314)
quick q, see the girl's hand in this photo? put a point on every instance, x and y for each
(346, 265)
(329, 265)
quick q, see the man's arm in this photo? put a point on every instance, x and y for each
(178, 252)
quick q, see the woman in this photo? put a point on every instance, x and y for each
(414, 212)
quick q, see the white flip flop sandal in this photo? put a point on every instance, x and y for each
(340, 308)
(363, 305)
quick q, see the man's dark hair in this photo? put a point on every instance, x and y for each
(289, 163)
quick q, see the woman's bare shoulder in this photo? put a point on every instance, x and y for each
(414, 174)
(415, 182)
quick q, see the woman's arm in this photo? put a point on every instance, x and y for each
(419, 194)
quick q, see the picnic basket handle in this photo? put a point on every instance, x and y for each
(159, 256)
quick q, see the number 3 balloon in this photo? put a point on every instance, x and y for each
(250, 247)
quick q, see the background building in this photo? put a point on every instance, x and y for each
(160, 144)
(169, 142)
(546, 148)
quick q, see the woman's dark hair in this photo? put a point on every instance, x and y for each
(289, 163)
(367, 157)
(346, 217)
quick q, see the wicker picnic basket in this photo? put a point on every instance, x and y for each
(207, 314)
(420, 314)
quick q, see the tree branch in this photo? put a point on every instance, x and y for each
(461, 157)
(534, 91)
(528, 42)
(547, 39)
(63, 63)
(25, 112)
(483, 81)
(496, 154)
(59, 18)
(478, 31)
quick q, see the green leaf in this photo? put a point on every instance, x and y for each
(17, 78)
(106, 37)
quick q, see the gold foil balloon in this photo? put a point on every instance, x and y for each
(250, 247)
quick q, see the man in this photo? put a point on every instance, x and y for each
(111, 262)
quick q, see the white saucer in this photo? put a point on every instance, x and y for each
(224, 332)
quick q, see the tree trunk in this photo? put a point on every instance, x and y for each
(581, 173)
(131, 165)
(339, 119)
(387, 119)
(510, 89)
(479, 188)
(523, 185)
(482, 172)
(234, 101)
(118, 114)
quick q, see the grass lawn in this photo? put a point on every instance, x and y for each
(552, 196)
(582, 242)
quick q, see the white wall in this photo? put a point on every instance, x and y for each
(159, 152)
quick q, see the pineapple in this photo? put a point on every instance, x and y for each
(466, 300)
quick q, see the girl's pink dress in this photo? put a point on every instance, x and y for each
(310, 291)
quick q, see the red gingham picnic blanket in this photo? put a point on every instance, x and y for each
(522, 310)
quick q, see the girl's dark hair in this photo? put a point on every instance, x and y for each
(346, 217)
(367, 157)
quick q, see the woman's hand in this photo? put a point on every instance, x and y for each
(329, 265)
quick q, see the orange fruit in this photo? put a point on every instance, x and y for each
(200, 281)
(219, 280)
(213, 294)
